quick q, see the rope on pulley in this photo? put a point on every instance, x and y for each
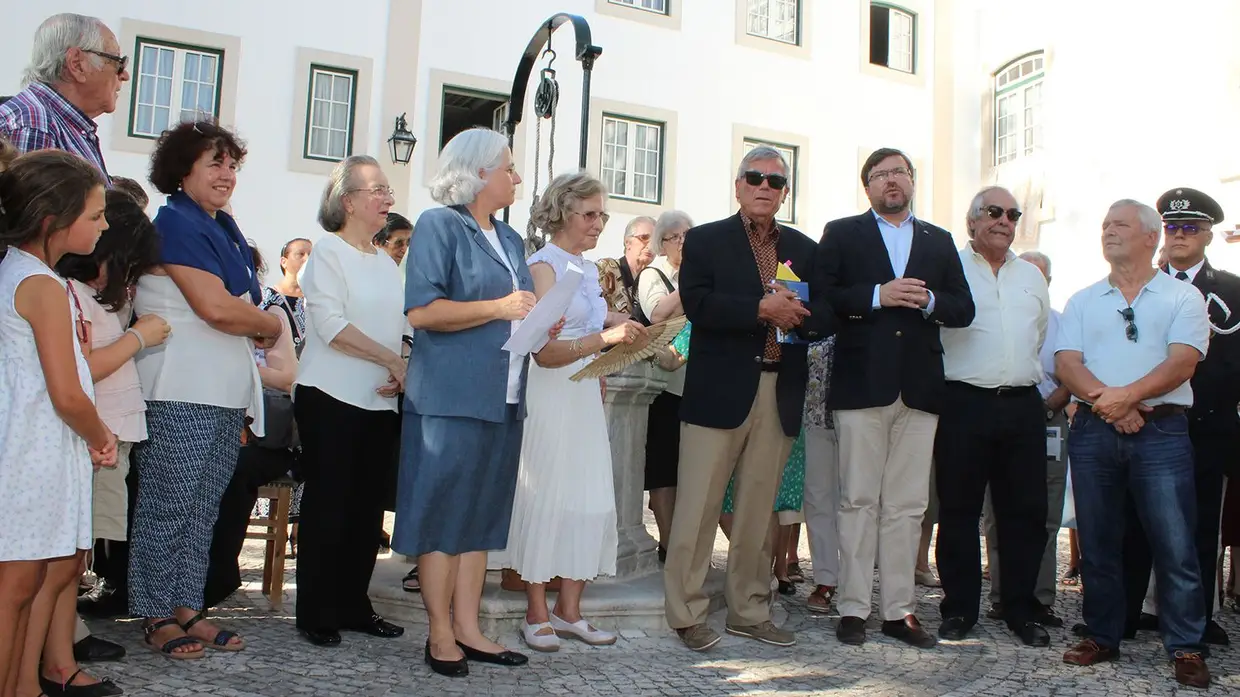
(546, 98)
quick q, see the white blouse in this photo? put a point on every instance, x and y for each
(344, 285)
(197, 363)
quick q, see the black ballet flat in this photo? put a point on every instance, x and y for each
(787, 588)
(452, 669)
(503, 658)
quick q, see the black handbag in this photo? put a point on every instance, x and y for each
(278, 422)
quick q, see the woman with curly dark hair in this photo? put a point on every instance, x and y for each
(198, 387)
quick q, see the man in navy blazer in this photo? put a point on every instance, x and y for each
(892, 281)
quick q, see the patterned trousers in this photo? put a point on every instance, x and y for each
(183, 470)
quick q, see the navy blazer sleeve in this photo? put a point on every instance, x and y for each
(847, 301)
(953, 301)
(704, 304)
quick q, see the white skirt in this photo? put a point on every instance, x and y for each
(564, 511)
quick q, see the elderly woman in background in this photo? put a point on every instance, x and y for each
(618, 277)
(350, 373)
(466, 286)
(564, 515)
(198, 387)
(659, 299)
(393, 238)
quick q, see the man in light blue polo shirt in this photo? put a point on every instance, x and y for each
(1127, 347)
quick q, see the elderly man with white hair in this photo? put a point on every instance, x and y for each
(991, 430)
(76, 71)
(1128, 346)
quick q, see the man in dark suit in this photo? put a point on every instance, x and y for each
(743, 396)
(892, 281)
(1213, 425)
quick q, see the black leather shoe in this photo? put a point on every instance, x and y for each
(1215, 635)
(787, 588)
(503, 658)
(453, 669)
(321, 637)
(92, 649)
(995, 612)
(103, 688)
(1048, 618)
(1148, 622)
(851, 631)
(955, 628)
(377, 626)
(910, 631)
(1033, 634)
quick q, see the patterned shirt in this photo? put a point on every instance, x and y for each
(764, 246)
(821, 358)
(39, 118)
(619, 288)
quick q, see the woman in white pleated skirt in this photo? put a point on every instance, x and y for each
(564, 511)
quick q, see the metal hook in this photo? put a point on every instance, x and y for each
(551, 62)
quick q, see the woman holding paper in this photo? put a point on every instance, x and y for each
(564, 516)
(466, 288)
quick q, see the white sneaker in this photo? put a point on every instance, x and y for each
(582, 631)
(547, 642)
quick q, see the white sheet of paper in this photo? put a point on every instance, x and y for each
(1053, 441)
(531, 334)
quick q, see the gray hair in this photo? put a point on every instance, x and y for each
(631, 228)
(561, 195)
(759, 153)
(975, 208)
(1036, 257)
(457, 181)
(53, 39)
(1151, 221)
(332, 213)
(669, 221)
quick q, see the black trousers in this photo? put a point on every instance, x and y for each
(346, 456)
(987, 437)
(1211, 455)
(255, 467)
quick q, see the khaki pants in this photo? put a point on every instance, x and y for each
(110, 505)
(822, 503)
(885, 455)
(755, 452)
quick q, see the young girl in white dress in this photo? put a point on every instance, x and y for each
(564, 512)
(50, 433)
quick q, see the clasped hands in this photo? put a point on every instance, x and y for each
(1119, 407)
(904, 292)
(781, 308)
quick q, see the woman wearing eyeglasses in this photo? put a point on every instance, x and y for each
(350, 373)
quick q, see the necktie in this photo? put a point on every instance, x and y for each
(1181, 275)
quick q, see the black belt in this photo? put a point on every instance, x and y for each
(770, 366)
(1004, 391)
(1161, 411)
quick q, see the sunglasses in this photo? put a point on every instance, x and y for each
(755, 178)
(996, 212)
(120, 61)
(592, 216)
(1130, 331)
(1186, 228)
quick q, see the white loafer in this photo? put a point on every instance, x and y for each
(582, 631)
(547, 643)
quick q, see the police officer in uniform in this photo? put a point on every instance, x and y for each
(1213, 424)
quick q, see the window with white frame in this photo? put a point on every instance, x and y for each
(632, 162)
(787, 212)
(333, 100)
(893, 38)
(1018, 107)
(655, 6)
(174, 83)
(775, 20)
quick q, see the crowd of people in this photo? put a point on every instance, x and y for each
(906, 370)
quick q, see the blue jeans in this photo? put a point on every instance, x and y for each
(1156, 466)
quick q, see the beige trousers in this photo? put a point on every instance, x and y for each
(110, 505)
(755, 452)
(885, 455)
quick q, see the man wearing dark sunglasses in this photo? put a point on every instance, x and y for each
(75, 75)
(1188, 218)
(1128, 346)
(992, 429)
(893, 280)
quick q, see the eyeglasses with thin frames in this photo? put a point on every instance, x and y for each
(885, 174)
(377, 191)
(592, 216)
(120, 61)
(1130, 331)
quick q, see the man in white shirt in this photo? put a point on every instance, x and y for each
(992, 427)
(1055, 398)
(1128, 346)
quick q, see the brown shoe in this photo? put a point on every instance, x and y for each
(909, 631)
(820, 600)
(1088, 653)
(698, 637)
(1191, 670)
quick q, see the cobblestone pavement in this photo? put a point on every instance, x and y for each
(277, 662)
